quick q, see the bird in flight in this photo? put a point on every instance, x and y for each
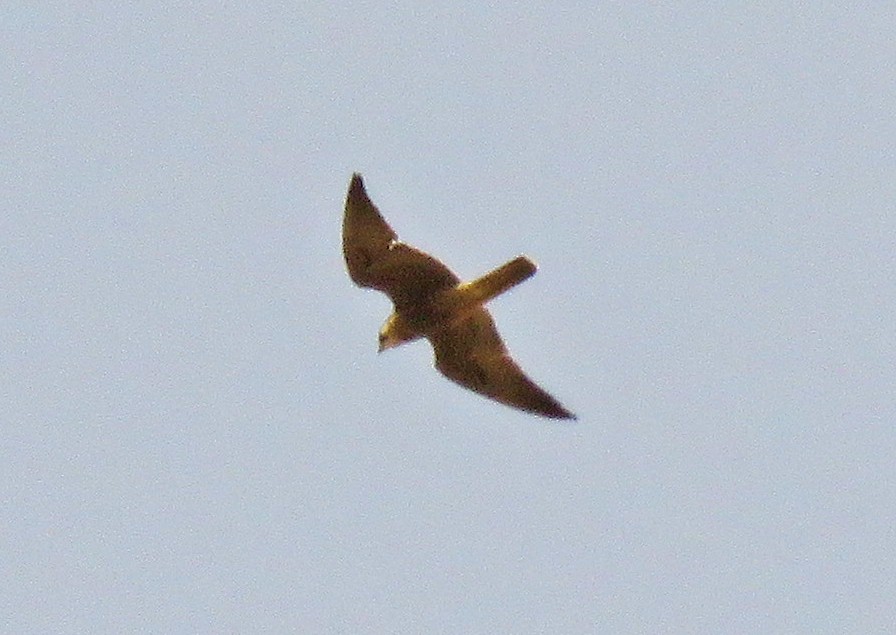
(430, 301)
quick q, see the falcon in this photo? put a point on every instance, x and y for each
(431, 302)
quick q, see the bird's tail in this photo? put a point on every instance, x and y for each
(496, 282)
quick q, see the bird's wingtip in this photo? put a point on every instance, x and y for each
(356, 187)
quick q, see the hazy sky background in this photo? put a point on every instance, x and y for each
(198, 435)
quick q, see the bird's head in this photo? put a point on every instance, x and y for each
(395, 332)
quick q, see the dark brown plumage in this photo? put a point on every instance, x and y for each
(431, 302)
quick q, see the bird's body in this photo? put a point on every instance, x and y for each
(431, 302)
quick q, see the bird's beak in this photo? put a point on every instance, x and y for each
(386, 343)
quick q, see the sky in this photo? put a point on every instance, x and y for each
(199, 436)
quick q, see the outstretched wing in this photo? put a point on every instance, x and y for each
(472, 354)
(376, 259)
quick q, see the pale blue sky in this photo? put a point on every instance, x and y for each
(198, 435)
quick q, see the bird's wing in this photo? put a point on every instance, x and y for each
(376, 259)
(472, 354)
